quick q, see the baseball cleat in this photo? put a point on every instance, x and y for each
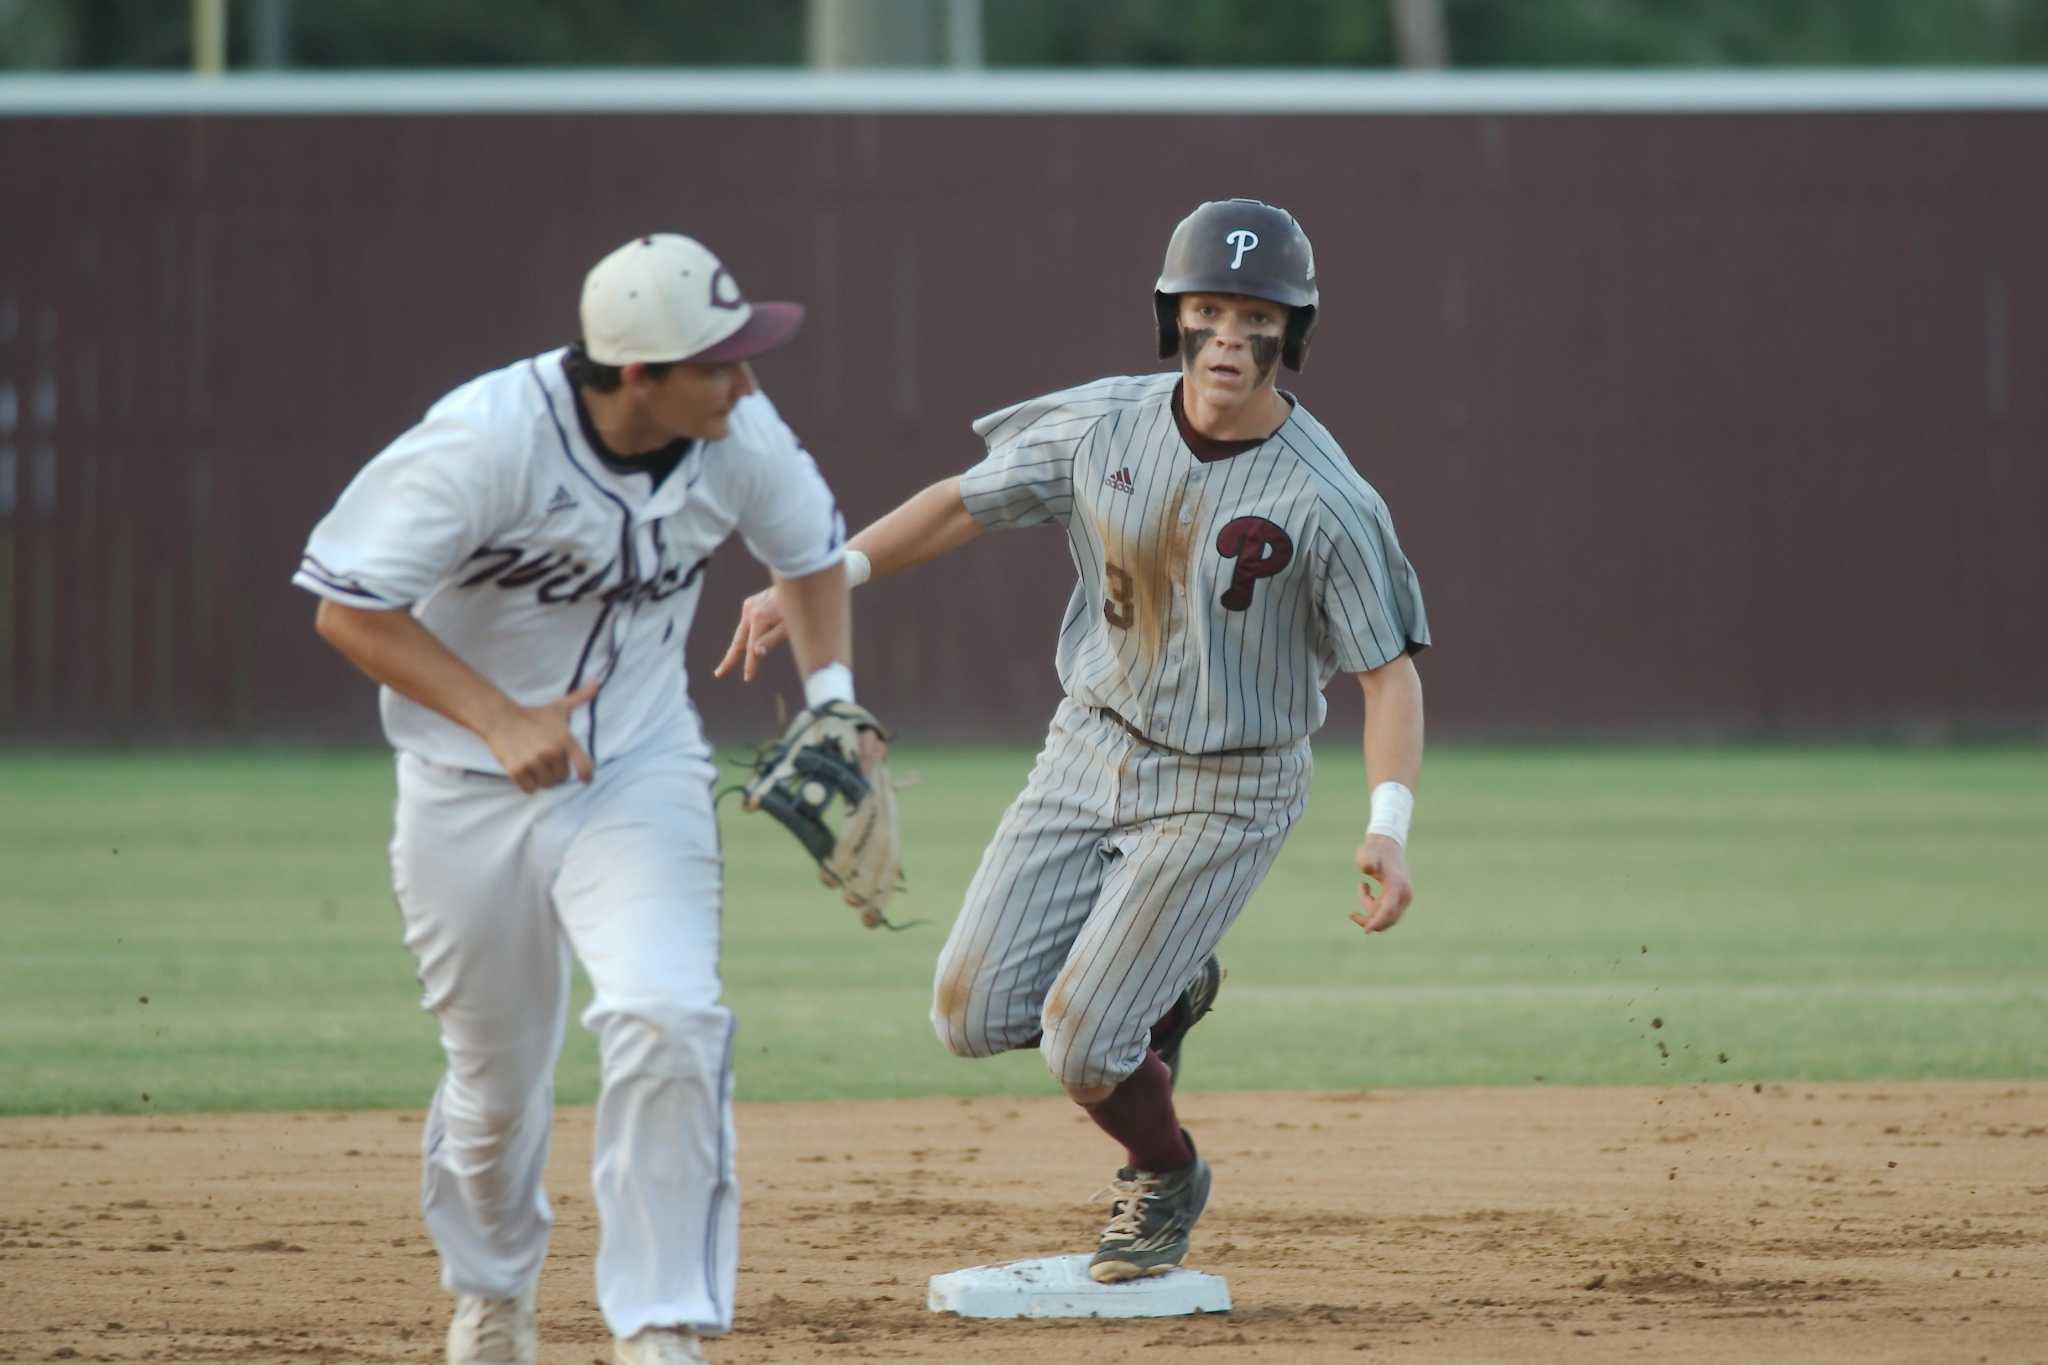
(1194, 1002)
(1151, 1215)
(658, 1346)
(494, 1331)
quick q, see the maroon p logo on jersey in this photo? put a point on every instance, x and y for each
(1261, 550)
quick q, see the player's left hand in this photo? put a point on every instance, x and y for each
(834, 758)
(1383, 860)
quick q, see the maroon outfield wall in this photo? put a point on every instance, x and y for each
(1728, 424)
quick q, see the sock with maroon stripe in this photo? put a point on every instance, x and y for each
(1139, 1114)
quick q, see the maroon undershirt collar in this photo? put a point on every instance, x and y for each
(1208, 449)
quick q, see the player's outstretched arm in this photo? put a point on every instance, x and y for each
(929, 524)
(533, 743)
(1393, 765)
(932, 522)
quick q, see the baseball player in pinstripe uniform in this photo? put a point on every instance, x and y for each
(1231, 562)
(520, 571)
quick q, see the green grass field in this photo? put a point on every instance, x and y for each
(214, 931)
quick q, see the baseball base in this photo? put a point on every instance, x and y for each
(1059, 1287)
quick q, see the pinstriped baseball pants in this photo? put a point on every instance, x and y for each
(1112, 876)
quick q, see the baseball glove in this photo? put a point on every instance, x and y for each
(815, 770)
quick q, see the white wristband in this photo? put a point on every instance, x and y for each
(858, 569)
(1393, 806)
(833, 682)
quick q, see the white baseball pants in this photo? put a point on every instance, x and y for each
(497, 888)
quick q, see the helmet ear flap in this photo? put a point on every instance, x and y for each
(1301, 325)
(1166, 308)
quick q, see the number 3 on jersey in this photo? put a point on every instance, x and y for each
(1117, 607)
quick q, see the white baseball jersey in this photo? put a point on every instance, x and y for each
(541, 566)
(1216, 599)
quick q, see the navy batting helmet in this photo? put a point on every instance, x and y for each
(1240, 246)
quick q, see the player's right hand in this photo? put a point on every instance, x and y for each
(761, 628)
(535, 745)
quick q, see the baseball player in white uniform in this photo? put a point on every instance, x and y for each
(1231, 562)
(520, 571)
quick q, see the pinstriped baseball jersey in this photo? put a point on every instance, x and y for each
(1216, 600)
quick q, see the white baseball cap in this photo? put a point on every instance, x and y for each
(666, 298)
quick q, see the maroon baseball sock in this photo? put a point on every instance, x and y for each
(1139, 1114)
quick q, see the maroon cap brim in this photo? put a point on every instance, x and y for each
(770, 325)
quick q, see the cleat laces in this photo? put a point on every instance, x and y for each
(1126, 1207)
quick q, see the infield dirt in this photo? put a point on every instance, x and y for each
(1898, 1222)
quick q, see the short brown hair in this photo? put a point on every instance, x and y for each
(586, 373)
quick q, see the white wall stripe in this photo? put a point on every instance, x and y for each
(1097, 91)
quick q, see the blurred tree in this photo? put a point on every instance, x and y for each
(100, 34)
(95, 33)
(1189, 33)
(1747, 33)
(398, 33)
(31, 35)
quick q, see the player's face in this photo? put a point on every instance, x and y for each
(1229, 345)
(696, 400)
